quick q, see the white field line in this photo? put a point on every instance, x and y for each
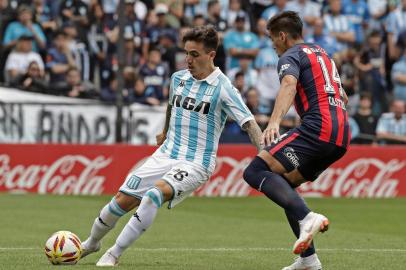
(224, 249)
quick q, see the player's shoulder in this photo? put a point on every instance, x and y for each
(225, 83)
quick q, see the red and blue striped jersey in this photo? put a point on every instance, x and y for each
(319, 98)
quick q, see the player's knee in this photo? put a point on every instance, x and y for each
(126, 202)
(155, 196)
(253, 171)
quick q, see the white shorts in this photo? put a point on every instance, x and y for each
(183, 176)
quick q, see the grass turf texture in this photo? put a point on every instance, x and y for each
(210, 233)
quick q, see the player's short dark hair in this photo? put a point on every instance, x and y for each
(288, 22)
(205, 34)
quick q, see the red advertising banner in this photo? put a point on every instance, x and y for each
(365, 171)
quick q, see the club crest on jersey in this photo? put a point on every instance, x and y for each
(209, 90)
(189, 103)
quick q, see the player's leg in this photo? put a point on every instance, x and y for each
(128, 197)
(107, 219)
(175, 185)
(265, 173)
(139, 222)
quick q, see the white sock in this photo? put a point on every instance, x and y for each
(310, 259)
(106, 221)
(140, 222)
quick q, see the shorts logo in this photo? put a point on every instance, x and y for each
(289, 152)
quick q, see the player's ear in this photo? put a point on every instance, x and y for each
(212, 54)
(282, 36)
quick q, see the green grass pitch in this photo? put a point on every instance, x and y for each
(210, 233)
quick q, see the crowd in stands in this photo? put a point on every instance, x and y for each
(69, 48)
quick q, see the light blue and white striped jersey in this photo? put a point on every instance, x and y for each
(199, 112)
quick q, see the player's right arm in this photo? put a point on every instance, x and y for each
(160, 138)
(283, 102)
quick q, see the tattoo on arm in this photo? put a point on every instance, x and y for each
(254, 132)
(168, 117)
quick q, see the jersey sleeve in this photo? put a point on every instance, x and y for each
(234, 106)
(289, 64)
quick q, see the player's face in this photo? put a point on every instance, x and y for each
(198, 60)
(279, 42)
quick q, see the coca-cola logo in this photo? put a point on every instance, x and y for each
(70, 174)
(363, 177)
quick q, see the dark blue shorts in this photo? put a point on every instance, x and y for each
(310, 156)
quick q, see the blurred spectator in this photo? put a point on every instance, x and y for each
(391, 127)
(156, 26)
(140, 95)
(20, 58)
(371, 65)
(74, 86)
(214, 18)
(358, 13)
(320, 37)
(266, 63)
(198, 20)
(260, 114)
(155, 75)
(24, 26)
(175, 14)
(43, 16)
(337, 25)
(234, 10)
(59, 58)
(99, 45)
(130, 75)
(169, 50)
(7, 14)
(308, 11)
(377, 10)
(278, 7)
(399, 78)
(395, 24)
(349, 80)
(239, 82)
(109, 93)
(365, 120)
(258, 6)
(78, 50)
(249, 73)
(75, 12)
(33, 80)
(238, 42)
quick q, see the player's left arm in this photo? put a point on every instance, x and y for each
(254, 132)
(284, 100)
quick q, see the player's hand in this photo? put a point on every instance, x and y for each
(270, 134)
(160, 138)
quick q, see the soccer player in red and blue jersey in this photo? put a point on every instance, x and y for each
(310, 80)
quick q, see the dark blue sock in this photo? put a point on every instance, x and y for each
(275, 187)
(296, 230)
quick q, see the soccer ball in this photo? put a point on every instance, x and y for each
(63, 247)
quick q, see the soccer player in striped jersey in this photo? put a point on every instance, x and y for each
(310, 80)
(200, 100)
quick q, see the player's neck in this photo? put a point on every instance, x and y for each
(205, 73)
(297, 41)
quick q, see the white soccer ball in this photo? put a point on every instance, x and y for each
(63, 247)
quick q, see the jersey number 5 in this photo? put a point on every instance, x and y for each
(328, 87)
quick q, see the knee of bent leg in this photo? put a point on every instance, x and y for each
(253, 172)
(155, 195)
